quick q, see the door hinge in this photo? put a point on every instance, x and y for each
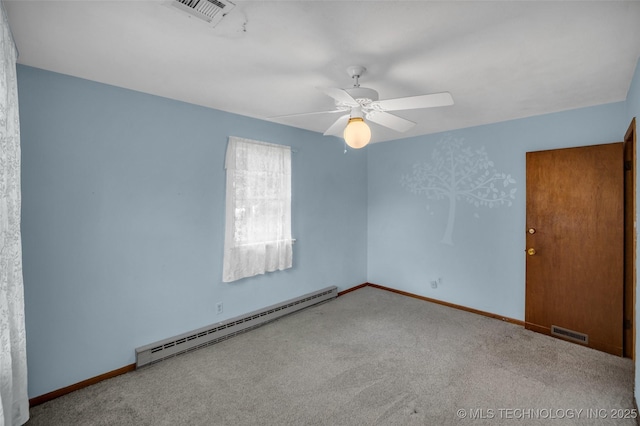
(628, 165)
(628, 324)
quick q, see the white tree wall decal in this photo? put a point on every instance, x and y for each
(458, 172)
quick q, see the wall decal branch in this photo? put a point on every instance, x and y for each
(459, 172)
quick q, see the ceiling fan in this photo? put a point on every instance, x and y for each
(360, 103)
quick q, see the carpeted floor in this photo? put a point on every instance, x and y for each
(370, 357)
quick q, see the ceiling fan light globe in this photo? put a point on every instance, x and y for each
(357, 134)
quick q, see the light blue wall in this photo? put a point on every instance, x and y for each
(484, 266)
(123, 222)
(633, 110)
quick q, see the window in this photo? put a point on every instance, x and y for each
(258, 209)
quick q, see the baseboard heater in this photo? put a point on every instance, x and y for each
(205, 336)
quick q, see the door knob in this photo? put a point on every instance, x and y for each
(531, 251)
(532, 231)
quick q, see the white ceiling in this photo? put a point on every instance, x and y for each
(500, 60)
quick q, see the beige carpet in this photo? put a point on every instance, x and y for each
(370, 357)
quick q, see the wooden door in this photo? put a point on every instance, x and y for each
(575, 247)
(630, 240)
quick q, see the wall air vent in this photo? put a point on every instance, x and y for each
(211, 11)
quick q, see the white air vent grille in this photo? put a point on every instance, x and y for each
(187, 342)
(211, 11)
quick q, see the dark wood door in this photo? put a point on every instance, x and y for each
(630, 240)
(575, 245)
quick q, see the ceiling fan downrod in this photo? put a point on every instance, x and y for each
(355, 72)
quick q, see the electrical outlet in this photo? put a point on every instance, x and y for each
(219, 308)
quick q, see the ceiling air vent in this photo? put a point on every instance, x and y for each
(211, 11)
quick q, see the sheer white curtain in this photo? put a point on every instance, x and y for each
(258, 209)
(14, 402)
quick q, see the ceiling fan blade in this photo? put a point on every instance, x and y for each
(302, 114)
(415, 102)
(391, 121)
(337, 128)
(341, 96)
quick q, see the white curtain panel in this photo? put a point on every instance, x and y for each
(14, 402)
(258, 209)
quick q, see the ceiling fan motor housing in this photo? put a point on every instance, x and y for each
(364, 93)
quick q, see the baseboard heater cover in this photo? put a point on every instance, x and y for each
(570, 334)
(205, 336)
